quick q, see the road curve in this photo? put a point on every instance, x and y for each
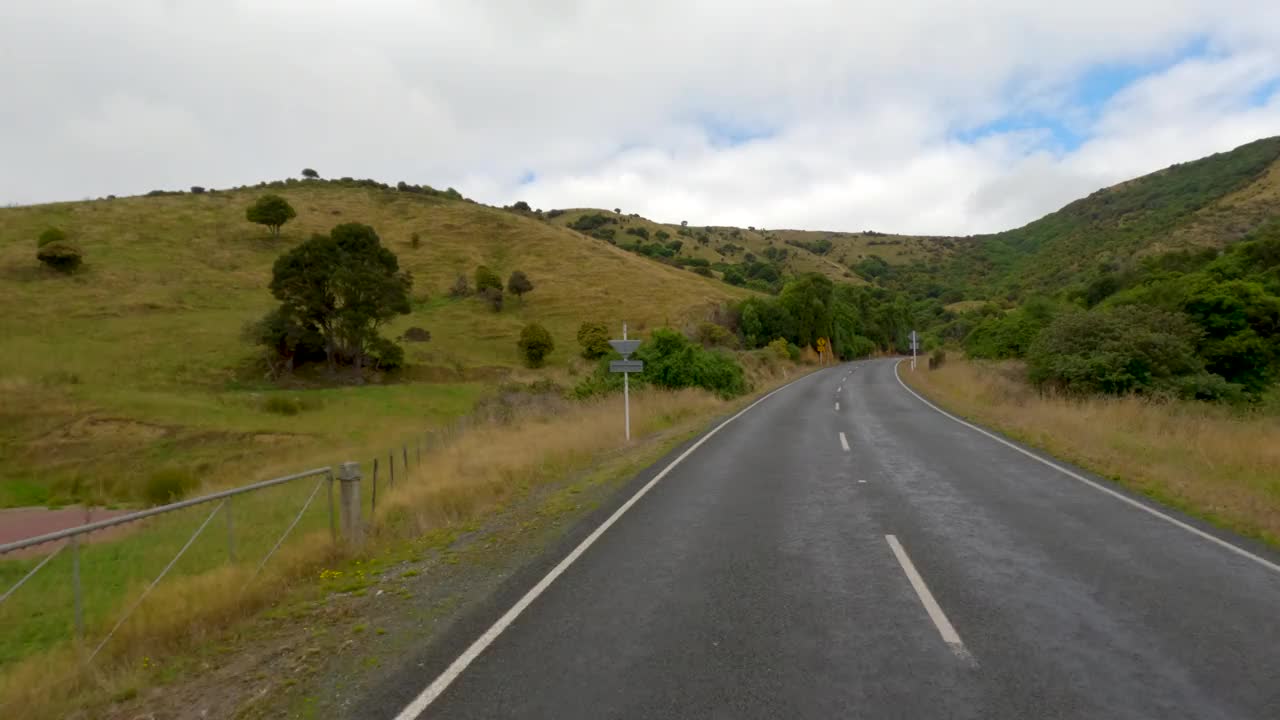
(926, 571)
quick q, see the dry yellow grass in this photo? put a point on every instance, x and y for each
(455, 485)
(1210, 461)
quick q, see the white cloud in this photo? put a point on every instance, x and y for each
(854, 107)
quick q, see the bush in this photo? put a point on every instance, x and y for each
(61, 256)
(492, 297)
(672, 362)
(461, 287)
(519, 284)
(638, 232)
(587, 223)
(167, 485)
(593, 337)
(416, 334)
(386, 354)
(310, 174)
(1128, 349)
(415, 240)
(486, 278)
(781, 350)
(535, 345)
(703, 270)
(50, 236)
(554, 213)
(197, 190)
(272, 211)
(713, 335)
(521, 206)
(937, 359)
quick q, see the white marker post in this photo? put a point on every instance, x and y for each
(626, 366)
(915, 342)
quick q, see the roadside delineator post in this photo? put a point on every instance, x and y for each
(349, 480)
(626, 366)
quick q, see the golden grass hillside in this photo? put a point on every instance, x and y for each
(847, 247)
(136, 362)
(1208, 460)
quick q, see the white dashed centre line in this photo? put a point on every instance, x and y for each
(844, 442)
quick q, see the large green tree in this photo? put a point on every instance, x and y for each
(272, 211)
(344, 285)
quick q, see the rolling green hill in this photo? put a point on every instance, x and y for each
(136, 362)
(1211, 202)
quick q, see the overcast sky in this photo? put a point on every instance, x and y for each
(953, 116)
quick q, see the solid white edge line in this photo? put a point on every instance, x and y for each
(1101, 488)
(451, 673)
(844, 442)
(931, 606)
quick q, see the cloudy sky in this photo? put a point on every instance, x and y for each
(942, 116)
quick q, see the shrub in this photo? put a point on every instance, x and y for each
(937, 358)
(461, 287)
(61, 256)
(1128, 349)
(521, 206)
(587, 223)
(272, 211)
(593, 337)
(416, 334)
(167, 485)
(703, 270)
(519, 284)
(535, 345)
(310, 174)
(638, 232)
(50, 236)
(386, 354)
(672, 362)
(713, 335)
(554, 213)
(780, 349)
(415, 240)
(197, 190)
(492, 297)
(486, 278)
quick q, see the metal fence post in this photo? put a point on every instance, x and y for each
(417, 449)
(391, 468)
(75, 587)
(231, 531)
(349, 477)
(405, 449)
(333, 511)
(374, 504)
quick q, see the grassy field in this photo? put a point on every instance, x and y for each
(1210, 461)
(455, 485)
(136, 363)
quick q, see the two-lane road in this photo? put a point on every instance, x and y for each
(842, 549)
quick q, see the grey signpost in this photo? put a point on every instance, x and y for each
(626, 366)
(915, 343)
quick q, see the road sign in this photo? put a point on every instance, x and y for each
(626, 366)
(625, 347)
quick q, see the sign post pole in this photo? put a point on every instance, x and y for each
(914, 343)
(626, 391)
(626, 366)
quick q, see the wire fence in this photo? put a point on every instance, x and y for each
(85, 586)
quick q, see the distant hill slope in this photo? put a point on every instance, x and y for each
(834, 254)
(1209, 202)
(139, 357)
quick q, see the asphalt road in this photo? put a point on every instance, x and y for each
(928, 571)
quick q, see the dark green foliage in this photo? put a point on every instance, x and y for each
(1123, 350)
(817, 247)
(587, 223)
(535, 345)
(593, 337)
(197, 190)
(272, 211)
(343, 286)
(519, 284)
(61, 256)
(712, 335)
(288, 341)
(310, 174)
(662, 236)
(603, 233)
(672, 362)
(551, 214)
(416, 334)
(703, 271)
(872, 267)
(639, 232)
(521, 206)
(734, 276)
(486, 278)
